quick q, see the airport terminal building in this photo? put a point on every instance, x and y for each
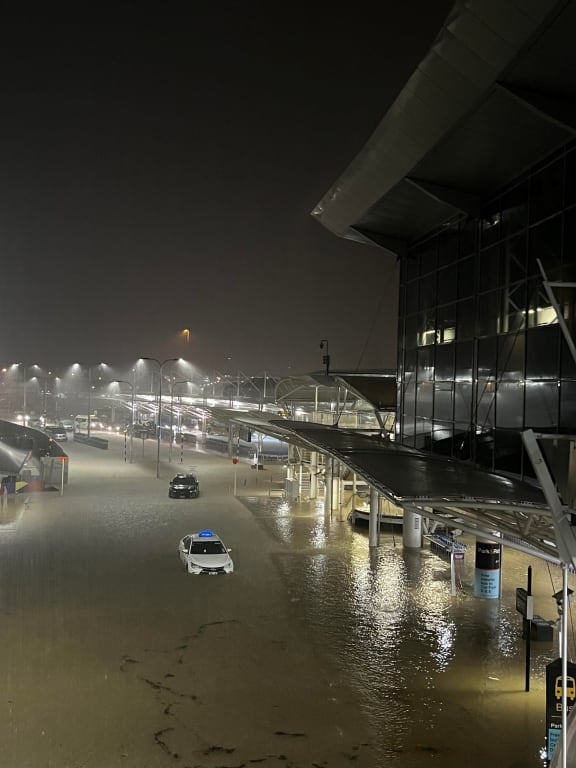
(469, 182)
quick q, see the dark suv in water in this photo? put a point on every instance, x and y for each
(184, 486)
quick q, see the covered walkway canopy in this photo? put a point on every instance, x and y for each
(453, 492)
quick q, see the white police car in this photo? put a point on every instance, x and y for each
(204, 553)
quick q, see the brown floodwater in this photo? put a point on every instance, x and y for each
(315, 652)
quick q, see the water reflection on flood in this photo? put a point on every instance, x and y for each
(437, 674)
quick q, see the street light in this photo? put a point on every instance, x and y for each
(159, 428)
(172, 385)
(25, 369)
(122, 381)
(98, 365)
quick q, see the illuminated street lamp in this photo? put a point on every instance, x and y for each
(25, 369)
(172, 385)
(159, 427)
(90, 367)
(122, 381)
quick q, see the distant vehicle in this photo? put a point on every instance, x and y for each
(205, 553)
(56, 433)
(68, 425)
(81, 423)
(184, 486)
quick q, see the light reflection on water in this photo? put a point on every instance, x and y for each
(417, 655)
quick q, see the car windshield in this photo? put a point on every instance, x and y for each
(184, 479)
(207, 548)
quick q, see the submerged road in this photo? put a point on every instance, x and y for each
(313, 653)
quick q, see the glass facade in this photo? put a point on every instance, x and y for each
(481, 353)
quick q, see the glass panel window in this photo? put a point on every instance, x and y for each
(510, 404)
(448, 247)
(490, 268)
(411, 262)
(545, 243)
(490, 224)
(568, 406)
(465, 327)
(412, 297)
(442, 438)
(485, 404)
(463, 402)
(427, 328)
(443, 400)
(546, 191)
(428, 293)
(511, 357)
(489, 313)
(424, 401)
(447, 284)
(542, 353)
(411, 333)
(541, 405)
(487, 358)
(514, 259)
(444, 368)
(466, 281)
(508, 452)
(446, 324)
(464, 361)
(425, 364)
(515, 210)
(469, 237)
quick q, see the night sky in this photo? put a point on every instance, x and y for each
(159, 174)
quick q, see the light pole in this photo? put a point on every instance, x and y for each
(158, 427)
(25, 369)
(89, 367)
(172, 385)
(121, 381)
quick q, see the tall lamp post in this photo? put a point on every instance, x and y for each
(122, 381)
(159, 428)
(25, 369)
(172, 385)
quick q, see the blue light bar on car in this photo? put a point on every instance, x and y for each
(206, 533)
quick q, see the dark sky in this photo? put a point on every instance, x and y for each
(159, 175)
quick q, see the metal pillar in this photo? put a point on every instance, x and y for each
(374, 519)
(412, 530)
(327, 486)
(313, 475)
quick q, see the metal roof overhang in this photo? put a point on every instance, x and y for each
(457, 493)
(495, 94)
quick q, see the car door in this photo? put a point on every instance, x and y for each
(184, 549)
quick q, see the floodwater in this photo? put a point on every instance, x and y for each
(315, 652)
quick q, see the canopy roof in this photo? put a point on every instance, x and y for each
(494, 95)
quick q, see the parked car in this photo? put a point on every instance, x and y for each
(205, 553)
(184, 486)
(56, 433)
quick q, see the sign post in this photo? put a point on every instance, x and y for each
(234, 461)
(63, 460)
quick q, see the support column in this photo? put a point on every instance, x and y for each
(328, 486)
(336, 482)
(230, 440)
(412, 530)
(313, 475)
(374, 520)
(487, 576)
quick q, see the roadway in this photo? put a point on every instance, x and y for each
(312, 653)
